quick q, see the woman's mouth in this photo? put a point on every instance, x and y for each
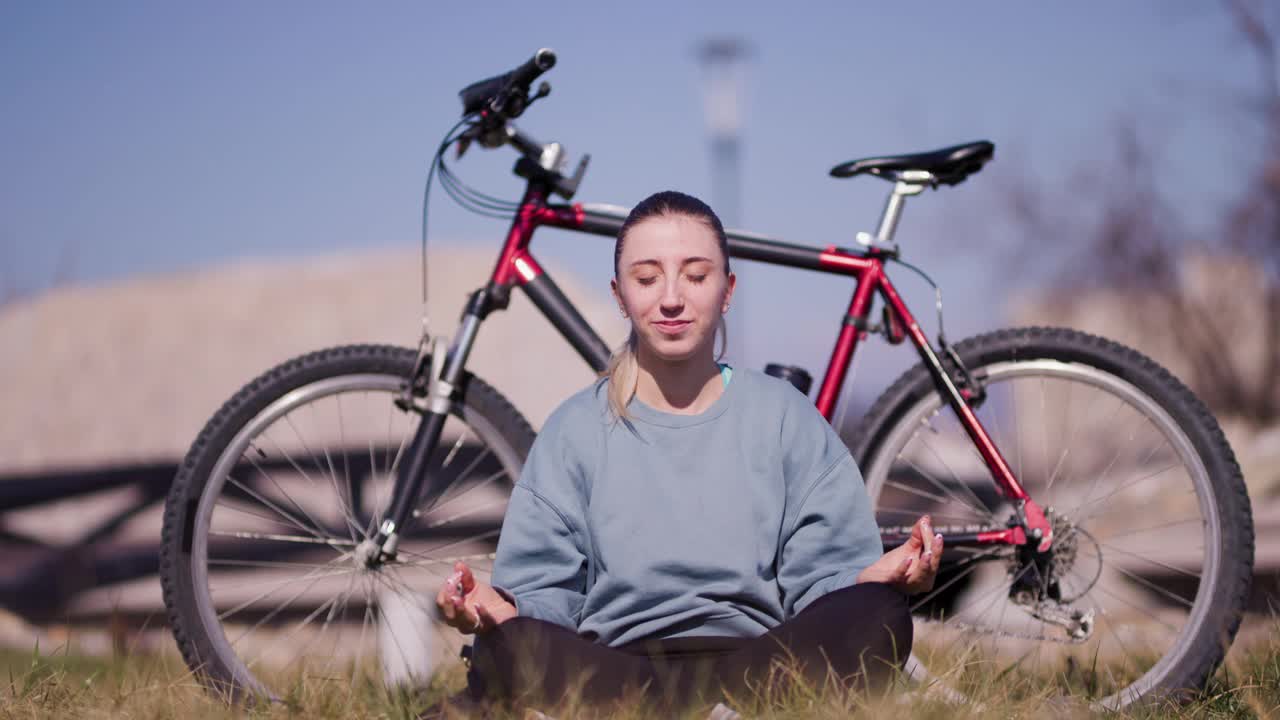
(672, 327)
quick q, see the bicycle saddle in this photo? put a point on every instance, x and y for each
(950, 165)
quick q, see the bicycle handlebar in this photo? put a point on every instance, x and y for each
(506, 95)
(502, 98)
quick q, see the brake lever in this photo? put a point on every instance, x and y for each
(544, 89)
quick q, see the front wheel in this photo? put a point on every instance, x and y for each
(266, 522)
(1153, 553)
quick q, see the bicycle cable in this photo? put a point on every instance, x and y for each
(937, 291)
(466, 196)
(473, 196)
(449, 139)
(473, 200)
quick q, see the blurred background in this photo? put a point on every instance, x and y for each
(192, 194)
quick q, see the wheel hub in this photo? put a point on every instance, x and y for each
(368, 556)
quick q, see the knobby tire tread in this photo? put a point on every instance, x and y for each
(251, 399)
(1227, 609)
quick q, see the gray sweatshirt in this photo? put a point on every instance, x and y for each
(728, 522)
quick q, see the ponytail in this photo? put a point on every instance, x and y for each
(724, 339)
(623, 373)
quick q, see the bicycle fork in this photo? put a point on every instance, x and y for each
(441, 381)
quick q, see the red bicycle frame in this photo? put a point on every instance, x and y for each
(516, 266)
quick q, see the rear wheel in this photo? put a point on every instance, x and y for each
(261, 566)
(1153, 549)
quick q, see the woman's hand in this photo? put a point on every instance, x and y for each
(912, 566)
(469, 605)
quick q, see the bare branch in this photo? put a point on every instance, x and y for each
(1220, 295)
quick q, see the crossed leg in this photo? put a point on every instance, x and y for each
(859, 633)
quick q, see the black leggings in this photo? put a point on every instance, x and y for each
(861, 632)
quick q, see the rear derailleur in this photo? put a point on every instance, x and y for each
(1036, 588)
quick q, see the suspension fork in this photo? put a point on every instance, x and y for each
(411, 476)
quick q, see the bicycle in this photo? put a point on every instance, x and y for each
(1065, 469)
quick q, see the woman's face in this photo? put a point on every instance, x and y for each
(672, 285)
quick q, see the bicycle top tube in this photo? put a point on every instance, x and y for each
(606, 220)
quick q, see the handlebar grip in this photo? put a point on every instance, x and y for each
(507, 88)
(542, 61)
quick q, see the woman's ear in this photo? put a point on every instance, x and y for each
(728, 293)
(613, 287)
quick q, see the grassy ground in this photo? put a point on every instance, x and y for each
(61, 685)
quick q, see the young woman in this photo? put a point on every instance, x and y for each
(680, 525)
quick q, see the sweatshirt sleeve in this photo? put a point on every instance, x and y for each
(541, 562)
(831, 535)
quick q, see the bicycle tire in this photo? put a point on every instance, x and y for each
(1015, 364)
(227, 469)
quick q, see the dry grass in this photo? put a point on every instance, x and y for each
(61, 685)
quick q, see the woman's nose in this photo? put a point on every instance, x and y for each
(671, 297)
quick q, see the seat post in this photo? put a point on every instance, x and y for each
(910, 182)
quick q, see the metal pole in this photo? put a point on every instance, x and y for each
(722, 62)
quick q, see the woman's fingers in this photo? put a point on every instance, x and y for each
(466, 620)
(927, 556)
(467, 578)
(903, 570)
(470, 619)
(925, 571)
(916, 562)
(445, 605)
(454, 582)
(467, 615)
(444, 598)
(898, 576)
(450, 597)
(487, 620)
(920, 531)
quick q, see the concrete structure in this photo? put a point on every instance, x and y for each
(130, 372)
(126, 374)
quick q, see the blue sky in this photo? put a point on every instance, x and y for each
(143, 137)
